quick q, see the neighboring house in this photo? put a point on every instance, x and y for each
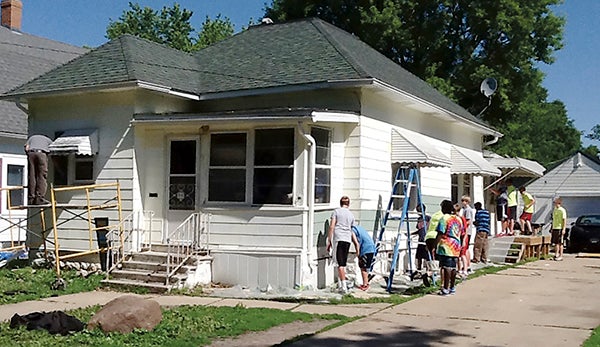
(22, 58)
(576, 180)
(266, 131)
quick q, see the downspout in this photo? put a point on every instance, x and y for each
(310, 200)
(492, 141)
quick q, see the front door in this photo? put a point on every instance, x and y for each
(182, 184)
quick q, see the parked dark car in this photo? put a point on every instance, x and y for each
(584, 234)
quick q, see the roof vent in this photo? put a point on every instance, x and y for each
(266, 20)
(578, 161)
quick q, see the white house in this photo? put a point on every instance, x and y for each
(265, 130)
(22, 57)
(576, 180)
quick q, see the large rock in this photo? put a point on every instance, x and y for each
(126, 313)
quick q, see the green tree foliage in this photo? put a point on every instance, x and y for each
(454, 45)
(170, 26)
(214, 31)
(594, 134)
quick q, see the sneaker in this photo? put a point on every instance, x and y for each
(558, 258)
(364, 287)
(444, 292)
(452, 291)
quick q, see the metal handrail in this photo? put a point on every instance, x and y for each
(135, 236)
(192, 235)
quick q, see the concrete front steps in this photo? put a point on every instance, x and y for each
(148, 269)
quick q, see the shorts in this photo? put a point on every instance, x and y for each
(512, 212)
(500, 213)
(422, 252)
(431, 244)
(446, 261)
(341, 249)
(557, 237)
(465, 247)
(526, 216)
(365, 261)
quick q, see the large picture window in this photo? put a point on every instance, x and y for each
(323, 164)
(227, 172)
(273, 166)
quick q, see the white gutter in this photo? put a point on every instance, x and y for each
(492, 141)
(310, 194)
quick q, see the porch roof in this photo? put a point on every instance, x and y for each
(519, 167)
(468, 161)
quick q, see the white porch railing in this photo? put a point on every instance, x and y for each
(137, 234)
(191, 236)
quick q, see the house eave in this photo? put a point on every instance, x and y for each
(107, 87)
(413, 101)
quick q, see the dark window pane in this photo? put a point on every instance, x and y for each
(182, 193)
(60, 165)
(274, 147)
(323, 140)
(183, 157)
(84, 170)
(227, 185)
(273, 186)
(322, 185)
(15, 175)
(15, 178)
(228, 150)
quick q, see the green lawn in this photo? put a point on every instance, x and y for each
(22, 284)
(594, 340)
(180, 327)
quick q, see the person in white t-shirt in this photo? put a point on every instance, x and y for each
(339, 239)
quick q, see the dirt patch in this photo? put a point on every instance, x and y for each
(275, 335)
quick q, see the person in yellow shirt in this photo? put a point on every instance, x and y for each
(511, 205)
(525, 219)
(559, 227)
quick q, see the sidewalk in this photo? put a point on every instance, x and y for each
(542, 303)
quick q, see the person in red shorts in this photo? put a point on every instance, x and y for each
(525, 219)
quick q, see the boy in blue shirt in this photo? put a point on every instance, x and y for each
(365, 247)
(482, 223)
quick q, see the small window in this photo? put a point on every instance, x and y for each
(323, 162)
(15, 179)
(84, 169)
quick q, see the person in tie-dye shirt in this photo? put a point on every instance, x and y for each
(449, 231)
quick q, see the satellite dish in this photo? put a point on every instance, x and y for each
(488, 87)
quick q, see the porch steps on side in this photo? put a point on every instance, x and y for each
(148, 269)
(505, 250)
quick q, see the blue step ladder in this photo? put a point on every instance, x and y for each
(405, 180)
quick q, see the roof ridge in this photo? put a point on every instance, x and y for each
(320, 25)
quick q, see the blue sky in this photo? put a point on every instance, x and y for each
(574, 78)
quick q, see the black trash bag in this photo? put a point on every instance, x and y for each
(55, 322)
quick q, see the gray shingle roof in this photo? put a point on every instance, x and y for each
(22, 58)
(297, 53)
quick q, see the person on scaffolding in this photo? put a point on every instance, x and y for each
(37, 149)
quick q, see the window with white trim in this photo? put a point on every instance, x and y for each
(227, 168)
(273, 166)
(72, 169)
(322, 138)
(15, 177)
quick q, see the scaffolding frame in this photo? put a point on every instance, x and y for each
(84, 212)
